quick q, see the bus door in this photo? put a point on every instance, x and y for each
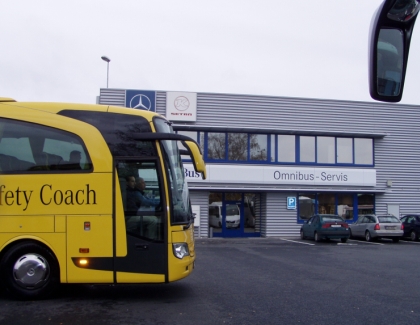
(142, 196)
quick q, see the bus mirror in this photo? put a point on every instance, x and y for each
(389, 62)
(197, 158)
(389, 44)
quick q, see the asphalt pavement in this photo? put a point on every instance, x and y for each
(252, 281)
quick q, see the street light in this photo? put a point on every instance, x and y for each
(107, 60)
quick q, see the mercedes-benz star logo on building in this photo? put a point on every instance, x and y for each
(141, 101)
(181, 103)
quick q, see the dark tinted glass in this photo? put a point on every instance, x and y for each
(116, 129)
(30, 147)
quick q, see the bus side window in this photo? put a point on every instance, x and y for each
(30, 147)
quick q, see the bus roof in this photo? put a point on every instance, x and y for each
(55, 107)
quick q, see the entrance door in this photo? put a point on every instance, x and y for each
(234, 214)
(232, 221)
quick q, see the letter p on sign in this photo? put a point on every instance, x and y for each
(291, 203)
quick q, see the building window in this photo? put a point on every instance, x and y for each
(238, 146)
(307, 149)
(216, 146)
(363, 151)
(325, 153)
(326, 203)
(283, 148)
(273, 148)
(349, 206)
(286, 148)
(306, 208)
(345, 204)
(344, 151)
(258, 147)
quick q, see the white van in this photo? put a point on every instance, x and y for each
(233, 216)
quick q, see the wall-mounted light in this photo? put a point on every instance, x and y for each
(389, 183)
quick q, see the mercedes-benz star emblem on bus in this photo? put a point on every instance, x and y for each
(141, 101)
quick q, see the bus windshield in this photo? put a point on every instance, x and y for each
(180, 197)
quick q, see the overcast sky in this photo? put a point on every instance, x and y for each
(51, 50)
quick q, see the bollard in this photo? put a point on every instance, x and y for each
(211, 232)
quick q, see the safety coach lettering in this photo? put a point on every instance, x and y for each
(48, 195)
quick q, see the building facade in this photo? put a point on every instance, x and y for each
(272, 162)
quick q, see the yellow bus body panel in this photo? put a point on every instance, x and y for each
(26, 224)
(97, 240)
(125, 277)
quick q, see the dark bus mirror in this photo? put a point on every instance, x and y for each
(390, 37)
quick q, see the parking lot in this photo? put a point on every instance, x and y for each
(252, 281)
(350, 242)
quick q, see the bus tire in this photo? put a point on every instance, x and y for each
(29, 271)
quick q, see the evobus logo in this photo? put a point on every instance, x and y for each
(48, 195)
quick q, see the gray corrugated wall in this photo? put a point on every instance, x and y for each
(263, 203)
(280, 221)
(397, 158)
(110, 96)
(283, 113)
(201, 198)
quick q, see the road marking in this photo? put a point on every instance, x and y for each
(367, 242)
(297, 242)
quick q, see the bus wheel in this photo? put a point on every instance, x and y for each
(29, 271)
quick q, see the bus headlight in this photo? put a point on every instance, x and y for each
(180, 250)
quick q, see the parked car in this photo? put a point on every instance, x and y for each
(325, 226)
(372, 226)
(233, 215)
(411, 223)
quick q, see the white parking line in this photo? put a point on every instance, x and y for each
(366, 242)
(297, 242)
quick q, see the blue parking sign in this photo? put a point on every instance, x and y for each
(291, 203)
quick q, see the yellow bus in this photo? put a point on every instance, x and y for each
(72, 209)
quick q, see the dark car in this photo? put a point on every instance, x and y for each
(325, 226)
(411, 224)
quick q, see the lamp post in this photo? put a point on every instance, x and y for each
(107, 60)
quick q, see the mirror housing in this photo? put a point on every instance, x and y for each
(197, 157)
(389, 44)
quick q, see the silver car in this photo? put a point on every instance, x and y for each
(373, 226)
